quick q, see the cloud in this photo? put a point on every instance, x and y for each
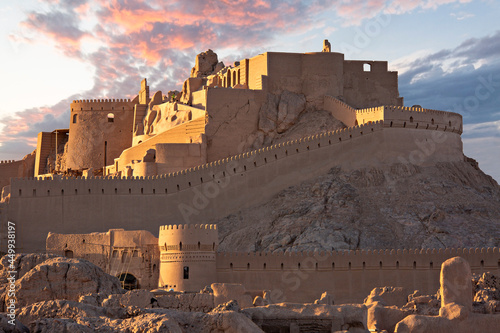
(156, 39)
(465, 79)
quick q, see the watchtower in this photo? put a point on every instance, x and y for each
(99, 131)
(187, 256)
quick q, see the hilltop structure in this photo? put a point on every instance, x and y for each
(233, 138)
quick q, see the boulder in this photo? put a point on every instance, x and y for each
(138, 297)
(388, 296)
(64, 278)
(225, 292)
(228, 306)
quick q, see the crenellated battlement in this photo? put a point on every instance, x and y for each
(188, 178)
(188, 226)
(357, 259)
(7, 161)
(111, 100)
(102, 105)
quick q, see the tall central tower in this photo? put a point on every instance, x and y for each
(187, 256)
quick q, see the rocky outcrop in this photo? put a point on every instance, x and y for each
(64, 278)
(225, 292)
(395, 207)
(68, 316)
(486, 293)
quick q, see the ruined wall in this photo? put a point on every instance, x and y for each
(347, 275)
(173, 157)
(9, 169)
(311, 74)
(186, 132)
(233, 115)
(117, 252)
(99, 130)
(376, 87)
(187, 261)
(212, 191)
(46, 145)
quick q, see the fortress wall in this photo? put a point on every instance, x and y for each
(189, 235)
(321, 74)
(93, 137)
(232, 116)
(429, 119)
(312, 74)
(364, 89)
(199, 99)
(209, 192)
(348, 275)
(364, 116)
(340, 110)
(257, 67)
(10, 169)
(178, 134)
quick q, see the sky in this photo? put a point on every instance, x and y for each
(447, 53)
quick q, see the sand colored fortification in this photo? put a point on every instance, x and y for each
(129, 170)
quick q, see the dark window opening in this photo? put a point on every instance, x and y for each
(75, 117)
(186, 273)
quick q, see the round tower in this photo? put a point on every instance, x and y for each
(187, 256)
(99, 131)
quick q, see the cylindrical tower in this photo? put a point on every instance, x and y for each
(99, 131)
(187, 256)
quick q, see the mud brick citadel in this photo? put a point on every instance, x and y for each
(136, 185)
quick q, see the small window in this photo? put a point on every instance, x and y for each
(68, 254)
(367, 67)
(75, 117)
(111, 118)
(186, 272)
(180, 246)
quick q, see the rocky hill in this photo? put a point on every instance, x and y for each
(401, 206)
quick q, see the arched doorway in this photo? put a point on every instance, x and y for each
(128, 281)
